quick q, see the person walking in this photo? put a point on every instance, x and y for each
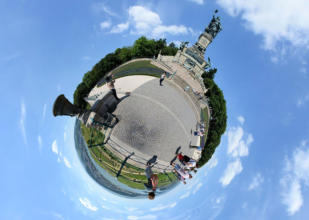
(152, 181)
(162, 78)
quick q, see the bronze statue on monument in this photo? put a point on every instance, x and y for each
(99, 115)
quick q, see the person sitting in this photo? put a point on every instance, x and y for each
(181, 173)
(191, 164)
(200, 148)
(198, 133)
(186, 161)
(183, 158)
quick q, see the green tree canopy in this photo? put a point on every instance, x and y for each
(142, 47)
(217, 123)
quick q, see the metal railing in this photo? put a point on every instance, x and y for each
(137, 159)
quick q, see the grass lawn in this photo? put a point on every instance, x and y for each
(143, 67)
(134, 65)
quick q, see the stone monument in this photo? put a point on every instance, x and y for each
(192, 58)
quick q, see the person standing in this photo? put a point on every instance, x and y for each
(162, 78)
(152, 181)
(111, 85)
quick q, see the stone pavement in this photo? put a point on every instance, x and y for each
(154, 120)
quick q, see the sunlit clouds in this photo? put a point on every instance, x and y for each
(238, 146)
(86, 203)
(287, 23)
(257, 180)
(295, 178)
(22, 121)
(144, 21)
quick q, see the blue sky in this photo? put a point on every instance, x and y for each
(261, 168)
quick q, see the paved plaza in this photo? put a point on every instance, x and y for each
(154, 119)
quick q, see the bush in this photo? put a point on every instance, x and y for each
(217, 123)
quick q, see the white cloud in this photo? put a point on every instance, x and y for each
(86, 58)
(292, 197)
(256, 181)
(161, 207)
(57, 215)
(213, 162)
(296, 176)
(237, 145)
(40, 142)
(131, 209)
(55, 147)
(144, 19)
(173, 204)
(302, 101)
(197, 188)
(219, 199)
(120, 28)
(66, 162)
(147, 22)
(241, 119)
(22, 121)
(101, 7)
(144, 217)
(108, 11)
(274, 59)
(105, 207)
(85, 202)
(230, 172)
(105, 24)
(301, 164)
(187, 194)
(277, 20)
(200, 2)
(172, 29)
